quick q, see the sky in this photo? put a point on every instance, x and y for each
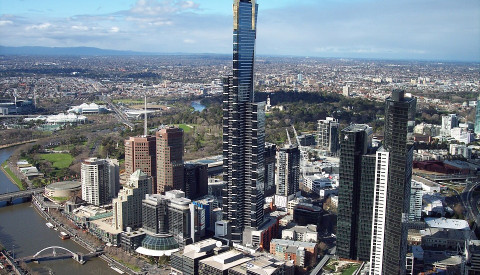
(385, 29)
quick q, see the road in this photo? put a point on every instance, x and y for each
(119, 114)
(471, 202)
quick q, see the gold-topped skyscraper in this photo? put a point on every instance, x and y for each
(243, 129)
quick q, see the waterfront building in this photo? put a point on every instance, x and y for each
(140, 154)
(328, 135)
(63, 190)
(196, 180)
(392, 188)
(127, 206)
(100, 180)
(243, 129)
(355, 194)
(270, 160)
(170, 174)
(288, 170)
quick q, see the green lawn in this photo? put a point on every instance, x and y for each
(350, 270)
(16, 180)
(64, 147)
(132, 267)
(59, 161)
(186, 128)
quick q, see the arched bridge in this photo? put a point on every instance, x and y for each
(64, 253)
(54, 251)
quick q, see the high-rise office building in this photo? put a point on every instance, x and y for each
(288, 170)
(127, 206)
(155, 214)
(328, 135)
(355, 194)
(392, 188)
(170, 174)
(477, 117)
(270, 160)
(140, 154)
(196, 180)
(243, 129)
(100, 180)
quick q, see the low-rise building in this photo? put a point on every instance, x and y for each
(186, 262)
(221, 263)
(303, 254)
(301, 233)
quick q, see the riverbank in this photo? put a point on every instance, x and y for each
(77, 239)
(11, 176)
(17, 143)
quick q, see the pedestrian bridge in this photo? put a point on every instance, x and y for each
(56, 253)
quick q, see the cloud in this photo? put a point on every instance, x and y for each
(5, 22)
(155, 7)
(427, 29)
(80, 28)
(42, 26)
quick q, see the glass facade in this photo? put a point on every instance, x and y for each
(243, 129)
(398, 111)
(355, 199)
(159, 242)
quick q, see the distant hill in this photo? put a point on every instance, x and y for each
(74, 51)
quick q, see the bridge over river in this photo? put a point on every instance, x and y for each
(9, 197)
(53, 253)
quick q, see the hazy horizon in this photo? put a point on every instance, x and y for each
(430, 30)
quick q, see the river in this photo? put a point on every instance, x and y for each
(197, 106)
(23, 230)
(6, 185)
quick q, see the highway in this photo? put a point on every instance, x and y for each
(119, 114)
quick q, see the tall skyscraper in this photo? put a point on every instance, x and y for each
(328, 134)
(100, 180)
(355, 195)
(288, 170)
(170, 174)
(392, 188)
(477, 117)
(140, 154)
(243, 129)
(127, 206)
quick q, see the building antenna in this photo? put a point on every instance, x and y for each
(145, 127)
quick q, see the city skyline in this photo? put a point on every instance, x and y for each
(440, 30)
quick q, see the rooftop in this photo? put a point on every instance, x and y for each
(64, 185)
(226, 260)
(447, 223)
